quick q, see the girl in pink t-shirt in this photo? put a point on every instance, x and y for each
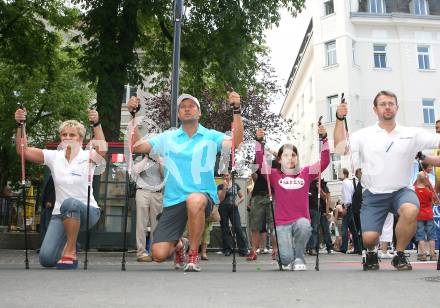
(291, 188)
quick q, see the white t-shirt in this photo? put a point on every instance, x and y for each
(347, 191)
(386, 158)
(70, 179)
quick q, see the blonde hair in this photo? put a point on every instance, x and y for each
(75, 124)
(422, 180)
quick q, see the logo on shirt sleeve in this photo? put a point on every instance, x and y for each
(291, 183)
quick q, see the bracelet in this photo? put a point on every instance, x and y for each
(19, 124)
(96, 124)
(339, 118)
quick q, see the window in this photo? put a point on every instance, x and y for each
(376, 6)
(332, 102)
(353, 51)
(335, 166)
(380, 56)
(129, 91)
(428, 111)
(423, 57)
(328, 7)
(420, 7)
(330, 51)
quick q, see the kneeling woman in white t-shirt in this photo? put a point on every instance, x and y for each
(70, 169)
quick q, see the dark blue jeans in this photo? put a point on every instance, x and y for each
(225, 211)
(348, 223)
(315, 216)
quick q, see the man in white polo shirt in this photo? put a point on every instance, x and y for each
(385, 152)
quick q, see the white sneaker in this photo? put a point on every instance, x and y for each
(265, 251)
(385, 255)
(287, 267)
(257, 251)
(299, 265)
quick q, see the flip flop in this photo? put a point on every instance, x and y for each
(64, 263)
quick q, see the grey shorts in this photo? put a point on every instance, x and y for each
(260, 214)
(172, 221)
(375, 207)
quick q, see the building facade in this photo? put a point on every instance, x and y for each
(359, 47)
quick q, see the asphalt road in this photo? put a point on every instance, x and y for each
(339, 283)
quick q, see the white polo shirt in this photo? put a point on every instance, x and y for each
(70, 179)
(347, 191)
(386, 158)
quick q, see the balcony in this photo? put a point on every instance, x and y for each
(424, 9)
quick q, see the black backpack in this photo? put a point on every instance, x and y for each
(356, 201)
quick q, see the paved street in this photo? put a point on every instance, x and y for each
(339, 283)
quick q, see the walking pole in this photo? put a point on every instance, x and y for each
(347, 140)
(232, 164)
(128, 162)
(89, 186)
(269, 191)
(320, 137)
(436, 198)
(22, 126)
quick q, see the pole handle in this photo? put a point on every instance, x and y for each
(345, 117)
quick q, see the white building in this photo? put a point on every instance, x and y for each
(359, 47)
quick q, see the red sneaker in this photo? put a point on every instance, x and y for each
(193, 262)
(180, 254)
(252, 256)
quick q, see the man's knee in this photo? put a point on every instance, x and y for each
(408, 212)
(196, 201)
(160, 252)
(370, 238)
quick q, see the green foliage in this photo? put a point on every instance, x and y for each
(40, 70)
(221, 44)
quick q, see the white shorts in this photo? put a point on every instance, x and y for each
(387, 230)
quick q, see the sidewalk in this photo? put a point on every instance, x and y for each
(339, 283)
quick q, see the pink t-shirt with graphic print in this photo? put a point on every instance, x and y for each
(292, 191)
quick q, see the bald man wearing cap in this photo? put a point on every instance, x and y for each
(189, 156)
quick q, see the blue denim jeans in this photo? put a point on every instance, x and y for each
(55, 238)
(225, 211)
(292, 240)
(348, 223)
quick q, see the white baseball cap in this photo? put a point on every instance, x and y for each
(184, 96)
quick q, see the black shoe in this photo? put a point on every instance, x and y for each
(312, 252)
(356, 252)
(370, 261)
(243, 253)
(227, 253)
(401, 262)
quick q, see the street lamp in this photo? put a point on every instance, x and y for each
(178, 15)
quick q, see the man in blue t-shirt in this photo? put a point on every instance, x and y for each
(189, 155)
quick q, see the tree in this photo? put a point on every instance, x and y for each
(216, 114)
(222, 41)
(37, 64)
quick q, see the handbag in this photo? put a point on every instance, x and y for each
(215, 215)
